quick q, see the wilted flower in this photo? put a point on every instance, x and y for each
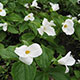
(29, 17)
(26, 5)
(2, 11)
(68, 27)
(35, 4)
(4, 26)
(55, 7)
(46, 27)
(27, 53)
(68, 60)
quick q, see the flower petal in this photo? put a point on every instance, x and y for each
(20, 51)
(3, 13)
(1, 6)
(50, 31)
(67, 60)
(35, 50)
(67, 69)
(40, 30)
(26, 60)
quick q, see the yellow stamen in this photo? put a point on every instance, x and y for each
(0, 10)
(29, 16)
(65, 26)
(27, 52)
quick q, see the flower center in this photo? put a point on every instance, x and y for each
(27, 51)
(0, 10)
(65, 26)
(29, 16)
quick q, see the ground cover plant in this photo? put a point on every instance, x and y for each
(39, 39)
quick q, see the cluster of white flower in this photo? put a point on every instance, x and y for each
(27, 53)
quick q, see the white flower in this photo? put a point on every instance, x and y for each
(68, 27)
(2, 11)
(29, 17)
(46, 27)
(27, 53)
(68, 60)
(4, 25)
(55, 7)
(35, 4)
(78, 1)
(26, 5)
(79, 21)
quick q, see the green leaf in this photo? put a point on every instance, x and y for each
(28, 36)
(23, 27)
(14, 17)
(1, 46)
(21, 71)
(45, 59)
(8, 53)
(33, 27)
(41, 76)
(12, 29)
(2, 35)
(77, 73)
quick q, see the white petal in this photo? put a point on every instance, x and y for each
(20, 51)
(4, 28)
(1, 6)
(35, 50)
(3, 13)
(26, 60)
(79, 21)
(40, 30)
(35, 4)
(67, 69)
(1, 24)
(55, 7)
(52, 23)
(67, 60)
(29, 17)
(26, 5)
(69, 30)
(50, 31)
(45, 22)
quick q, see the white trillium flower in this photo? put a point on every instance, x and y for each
(2, 11)
(55, 7)
(68, 27)
(27, 53)
(26, 5)
(68, 60)
(46, 27)
(4, 26)
(35, 4)
(29, 17)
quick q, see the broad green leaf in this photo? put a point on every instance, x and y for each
(14, 17)
(1, 46)
(8, 53)
(28, 36)
(44, 60)
(33, 27)
(2, 35)
(23, 27)
(21, 71)
(41, 76)
(12, 29)
(77, 73)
